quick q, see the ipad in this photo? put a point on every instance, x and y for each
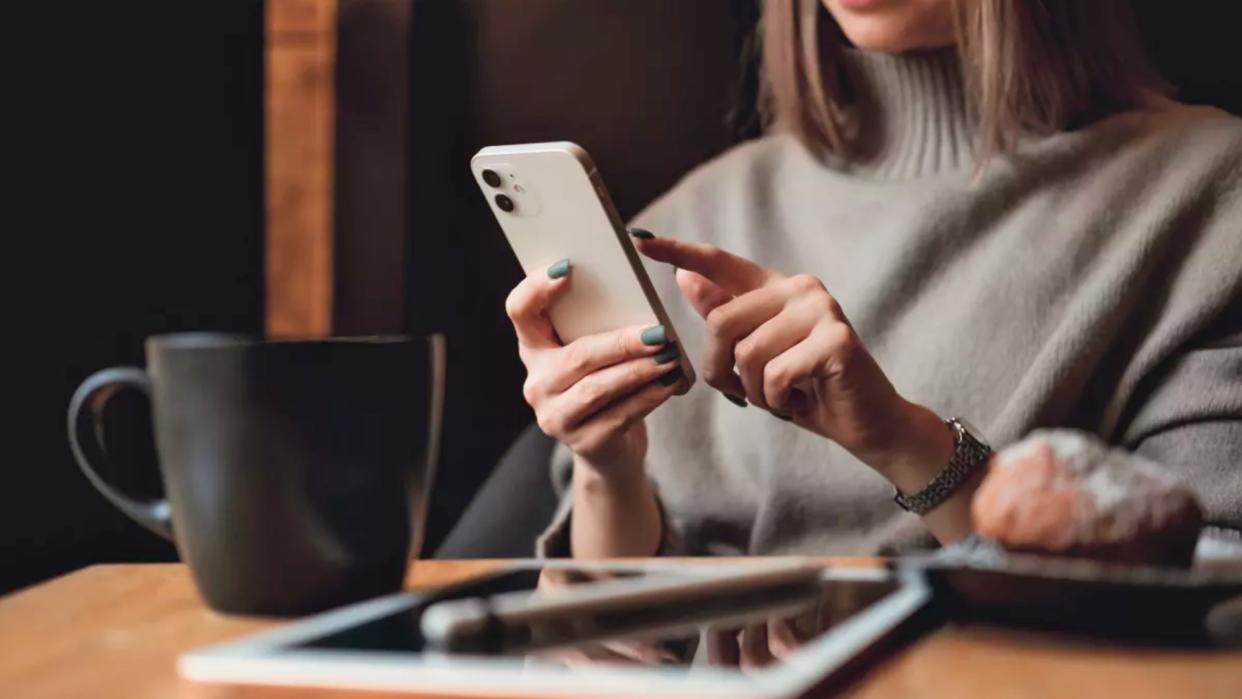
(569, 609)
(823, 641)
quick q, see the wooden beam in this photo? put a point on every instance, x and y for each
(299, 123)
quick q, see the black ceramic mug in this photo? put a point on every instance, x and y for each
(297, 472)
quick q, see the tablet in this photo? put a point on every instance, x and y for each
(857, 616)
(569, 609)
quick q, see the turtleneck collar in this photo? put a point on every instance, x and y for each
(910, 113)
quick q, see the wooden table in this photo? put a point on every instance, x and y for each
(116, 630)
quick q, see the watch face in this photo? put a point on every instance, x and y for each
(974, 431)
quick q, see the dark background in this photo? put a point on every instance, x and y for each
(137, 201)
(137, 208)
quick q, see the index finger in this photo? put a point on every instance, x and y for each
(734, 274)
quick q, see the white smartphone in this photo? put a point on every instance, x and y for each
(552, 205)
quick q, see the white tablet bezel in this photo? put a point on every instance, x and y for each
(266, 658)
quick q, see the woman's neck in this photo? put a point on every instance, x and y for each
(910, 113)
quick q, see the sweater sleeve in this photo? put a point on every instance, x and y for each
(1187, 411)
(1188, 416)
(554, 542)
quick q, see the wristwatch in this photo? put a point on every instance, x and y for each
(970, 453)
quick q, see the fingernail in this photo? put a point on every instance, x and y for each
(640, 233)
(667, 354)
(739, 402)
(653, 335)
(559, 269)
(671, 377)
(782, 416)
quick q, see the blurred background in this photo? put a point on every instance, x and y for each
(299, 167)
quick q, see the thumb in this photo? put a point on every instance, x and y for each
(702, 293)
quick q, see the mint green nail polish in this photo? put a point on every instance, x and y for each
(667, 354)
(559, 269)
(671, 377)
(640, 233)
(653, 335)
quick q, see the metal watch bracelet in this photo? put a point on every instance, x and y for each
(970, 454)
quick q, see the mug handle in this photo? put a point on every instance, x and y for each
(87, 441)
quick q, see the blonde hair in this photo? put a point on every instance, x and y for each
(1029, 66)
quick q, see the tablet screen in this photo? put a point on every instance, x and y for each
(399, 631)
(759, 641)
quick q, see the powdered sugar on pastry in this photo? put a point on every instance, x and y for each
(1066, 492)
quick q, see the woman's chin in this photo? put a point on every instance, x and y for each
(880, 37)
(896, 30)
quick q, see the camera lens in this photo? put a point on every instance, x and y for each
(491, 178)
(505, 203)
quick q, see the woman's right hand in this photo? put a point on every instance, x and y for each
(593, 393)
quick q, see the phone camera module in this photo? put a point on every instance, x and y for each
(505, 203)
(491, 178)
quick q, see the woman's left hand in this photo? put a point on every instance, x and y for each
(797, 355)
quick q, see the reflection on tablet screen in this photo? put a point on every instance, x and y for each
(752, 643)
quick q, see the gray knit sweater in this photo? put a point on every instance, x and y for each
(1091, 279)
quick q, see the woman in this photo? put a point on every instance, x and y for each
(980, 210)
